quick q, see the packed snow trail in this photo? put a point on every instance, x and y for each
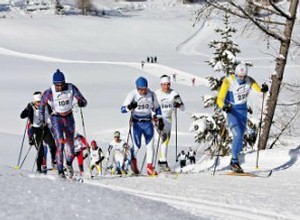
(150, 68)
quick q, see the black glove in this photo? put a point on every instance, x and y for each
(31, 141)
(132, 105)
(250, 110)
(177, 101)
(227, 108)
(43, 124)
(160, 124)
(81, 104)
(264, 88)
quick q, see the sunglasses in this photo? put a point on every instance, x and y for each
(59, 85)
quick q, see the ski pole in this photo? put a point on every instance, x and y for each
(82, 121)
(157, 147)
(22, 144)
(40, 144)
(84, 133)
(219, 149)
(144, 160)
(176, 153)
(128, 136)
(25, 157)
(259, 134)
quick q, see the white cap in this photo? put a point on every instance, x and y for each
(37, 96)
(165, 79)
(241, 70)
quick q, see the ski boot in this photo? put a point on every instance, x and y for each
(44, 169)
(150, 170)
(134, 167)
(163, 166)
(235, 167)
(61, 174)
(71, 171)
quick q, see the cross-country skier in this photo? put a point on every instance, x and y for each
(96, 156)
(61, 96)
(81, 151)
(182, 159)
(141, 102)
(117, 152)
(38, 133)
(169, 100)
(232, 98)
(191, 155)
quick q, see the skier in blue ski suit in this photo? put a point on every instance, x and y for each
(232, 98)
(142, 102)
(60, 96)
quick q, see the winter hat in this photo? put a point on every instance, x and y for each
(241, 70)
(141, 83)
(37, 96)
(165, 79)
(93, 143)
(58, 77)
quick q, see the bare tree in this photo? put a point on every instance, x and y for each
(85, 6)
(279, 26)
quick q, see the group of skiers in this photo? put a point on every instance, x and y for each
(147, 107)
(51, 122)
(191, 156)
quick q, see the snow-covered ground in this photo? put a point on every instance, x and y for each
(102, 56)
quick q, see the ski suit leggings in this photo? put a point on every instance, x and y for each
(63, 131)
(165, 139)
(41, 135)
(237, 121)
(146, 129)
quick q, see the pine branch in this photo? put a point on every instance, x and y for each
(283, 129)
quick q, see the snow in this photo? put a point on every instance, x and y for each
(102, 57)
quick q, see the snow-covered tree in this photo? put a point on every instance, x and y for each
(225, 49)
(278, 25)
(212, 128)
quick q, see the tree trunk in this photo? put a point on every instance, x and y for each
(277, 77)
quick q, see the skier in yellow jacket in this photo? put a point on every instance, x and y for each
(232, 98)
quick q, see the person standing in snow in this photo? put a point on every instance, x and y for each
(191, 155)
(61, 96)
(117, 151)
(193, 81)
(169, 100)
(232, 98)
(96, 156)
(141, 102)
(38, 133)
(81, 151)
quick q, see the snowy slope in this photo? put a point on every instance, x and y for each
(102, 56)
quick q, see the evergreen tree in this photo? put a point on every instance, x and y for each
(212, 128)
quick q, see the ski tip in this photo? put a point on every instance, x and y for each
(17, 167)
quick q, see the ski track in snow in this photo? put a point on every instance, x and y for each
(153, 68)
(198, 207)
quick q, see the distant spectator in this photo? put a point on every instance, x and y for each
(174, 77)
(142, 64)
(193, 81)
(148, 59)
(155, 59)
(151, 59)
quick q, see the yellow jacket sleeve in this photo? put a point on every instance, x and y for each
(223, 92)
(254, 85)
